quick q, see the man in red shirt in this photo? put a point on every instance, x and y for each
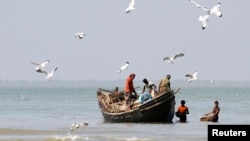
(129, 90)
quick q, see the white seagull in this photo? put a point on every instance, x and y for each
(49, 75)
(80, 35)
(192, 77)
(40, 66)
(203, 20)
(124, 67)
(77, 125)
(131, 6)
(213, 11)
(171, 59)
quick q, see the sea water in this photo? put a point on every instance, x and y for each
(48, 109)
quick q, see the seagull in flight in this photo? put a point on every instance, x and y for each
(40, 66)
(203, 20)
(80, 35)
(213, 11)
(49, 75)
(192, 77)
(131, 6)
(171, 59)
(77, 125)
(124, 67)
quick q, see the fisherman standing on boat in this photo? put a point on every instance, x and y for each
(129, 90)
(164, 84)
(150, 86)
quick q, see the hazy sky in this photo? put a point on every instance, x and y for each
(39, 30)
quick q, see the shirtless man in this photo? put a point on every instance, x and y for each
(214, 115)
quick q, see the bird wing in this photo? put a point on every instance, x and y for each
(216, 7)
(82, 34)
(178, 55)
(77, 34)
(45, 72)
(166, 58)
(199, 5)
(44, 63)
(131, 6)
(216, 11)
(34, 63)
(73, 124)
(83, 124)
(54, 70)
(189, 75)
(195, 74)
(72, 127)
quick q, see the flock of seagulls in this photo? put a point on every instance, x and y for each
(191, 77)
(40, 68)
(203, 19)
(213, 11)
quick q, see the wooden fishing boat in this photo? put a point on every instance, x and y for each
(113, 108)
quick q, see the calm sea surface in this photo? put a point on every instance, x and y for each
(51, 108)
